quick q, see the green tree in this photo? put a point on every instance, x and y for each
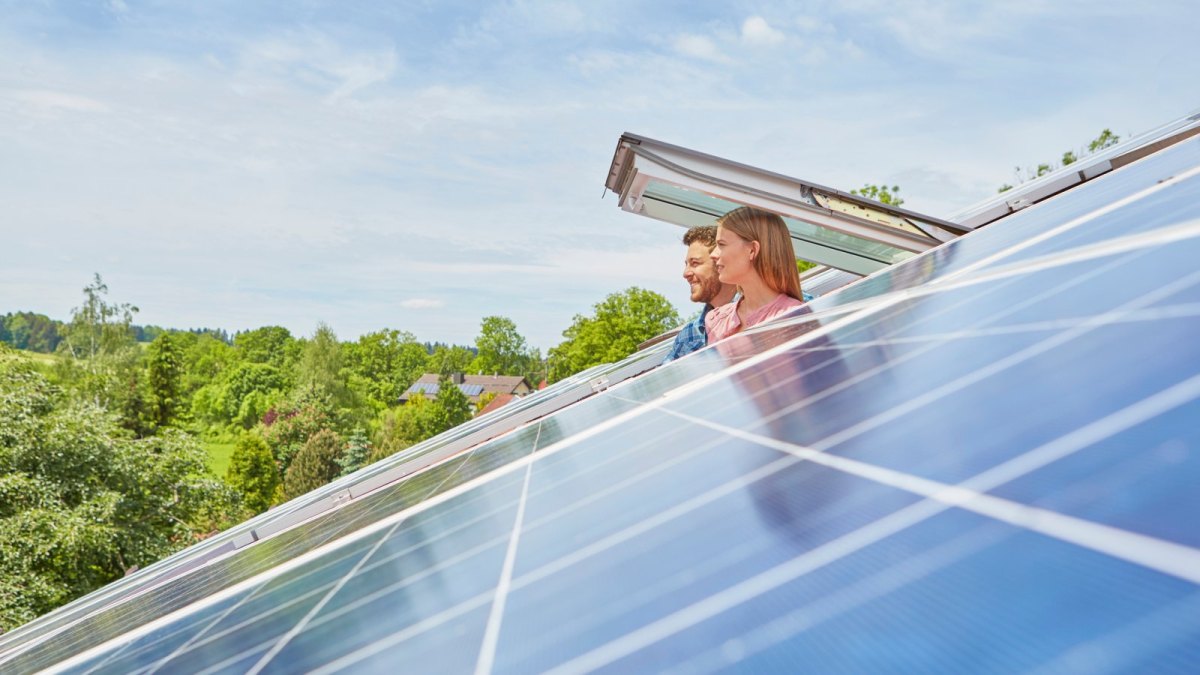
(269, 344)
(388, 361)
(253, 473)
(319, 372)
(315, 465)
(102, 355)
(164, 375)
(357, 453)
(500, 349)
(1106, 139)
(288, 427)
(80, 503)
(880, 193)
(618, 325)
(447, 360)
(451, 407)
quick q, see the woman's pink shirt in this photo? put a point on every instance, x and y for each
(723, 321)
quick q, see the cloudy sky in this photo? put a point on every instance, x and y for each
(420, 165)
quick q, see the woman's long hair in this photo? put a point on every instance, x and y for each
(776, 260)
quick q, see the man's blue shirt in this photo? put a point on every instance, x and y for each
(691, 337)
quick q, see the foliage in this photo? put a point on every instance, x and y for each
(287, 428)
(880, 193)
(500, 349)
(357, 453)
(446, 360)
(388, 361)
(315, 465)
(1106, 139)
(252, 472)
(451, 407)
(319, 373)
(269, 344)
(80, 503)
(164, 381)
(31, 331)
(619, 324)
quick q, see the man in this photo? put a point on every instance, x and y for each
(701, 275)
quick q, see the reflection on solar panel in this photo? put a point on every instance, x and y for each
(983, 458)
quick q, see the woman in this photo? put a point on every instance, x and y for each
(754, 252)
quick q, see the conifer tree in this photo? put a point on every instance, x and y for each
(252, 472)
(315, 465)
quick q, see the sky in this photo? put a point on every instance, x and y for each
(421, 165)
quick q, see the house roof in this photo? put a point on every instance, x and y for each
(497, 384)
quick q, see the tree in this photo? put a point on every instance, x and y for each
(269, 344)
(620, 323)
(389, 361)
(319, 372)
(447, 360)
(357, 453)
(252, 472)
(164, 375)
(315, 465)
(288, 427)
(451, 407)
(1106, 139)
(880, 193)
(80, 503)
(500, 349)
(103, 356)
(98, 327)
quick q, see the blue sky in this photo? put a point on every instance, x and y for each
(421, 165)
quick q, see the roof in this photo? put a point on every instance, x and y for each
(497, 384)
(500, 401)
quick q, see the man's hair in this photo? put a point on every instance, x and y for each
(702, 233)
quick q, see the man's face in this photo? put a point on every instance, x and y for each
(700, 273)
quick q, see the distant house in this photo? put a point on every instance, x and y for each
(473, 386)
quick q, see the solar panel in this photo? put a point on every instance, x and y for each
(989, 468)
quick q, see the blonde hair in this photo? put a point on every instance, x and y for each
(776, 260)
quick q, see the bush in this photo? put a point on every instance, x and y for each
(252, 472)
(315, 465)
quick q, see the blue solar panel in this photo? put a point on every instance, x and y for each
(988, 471)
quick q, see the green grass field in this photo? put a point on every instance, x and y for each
(218, 457)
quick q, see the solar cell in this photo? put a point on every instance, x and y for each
(989, 472)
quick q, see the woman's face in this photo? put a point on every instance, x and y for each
(733, 257)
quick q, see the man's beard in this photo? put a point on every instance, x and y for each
(709, 289)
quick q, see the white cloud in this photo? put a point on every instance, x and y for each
(58, 100)
(117, 6)
(422, 303)
(756, 31)
(699, 47)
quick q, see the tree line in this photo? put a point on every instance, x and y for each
(105, 447)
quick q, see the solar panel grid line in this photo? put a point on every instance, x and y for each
(842, 600)
(1033, 237)
(1156, 554)
(882, 528)
(1110, 207)
(156, 666)
(424, 625)
(491, 634)
(964, 381)
(97, 603)
(283, 641)
(447, 533)
(1009, 309)
(759, 584)
(1105, 249)
(1187, 310)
